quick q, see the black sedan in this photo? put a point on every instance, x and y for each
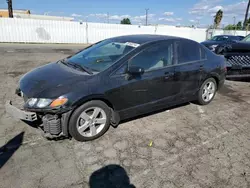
(116, 79)
(218, 42)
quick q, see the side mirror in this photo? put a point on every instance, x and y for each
(135, 70)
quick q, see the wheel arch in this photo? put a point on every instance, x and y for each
(115, 118)
(214, 76)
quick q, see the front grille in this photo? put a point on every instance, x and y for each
(242, 60)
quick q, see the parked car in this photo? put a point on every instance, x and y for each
(219, 41)
(237, 56)
(116, 79)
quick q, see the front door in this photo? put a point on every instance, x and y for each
(155, 86)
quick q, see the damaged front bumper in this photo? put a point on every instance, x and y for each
(53, 125)
(18, 113)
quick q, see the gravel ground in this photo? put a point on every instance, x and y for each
(190, 146)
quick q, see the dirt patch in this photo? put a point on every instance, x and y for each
(14, 74)
(227, 91)
(65, 51)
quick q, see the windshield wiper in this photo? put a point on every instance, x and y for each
(82, 68)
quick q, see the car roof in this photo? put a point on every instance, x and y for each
(224, 35)
(228, 36)
(142, 39)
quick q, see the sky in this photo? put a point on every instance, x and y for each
(170, 12)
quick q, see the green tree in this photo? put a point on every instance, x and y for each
(246, 15)
(230, 27)
(217, 18)
(247, 24)
(126, 21)
(239, 25)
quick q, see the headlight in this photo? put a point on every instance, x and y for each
(31, 102)
(42, 102)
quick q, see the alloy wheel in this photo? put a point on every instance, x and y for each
(208, 91)
(91, 121)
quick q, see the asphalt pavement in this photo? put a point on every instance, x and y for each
(188, 146)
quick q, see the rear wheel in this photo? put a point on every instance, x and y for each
(90, 121)
(207, 91)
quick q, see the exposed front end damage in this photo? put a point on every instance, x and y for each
(53, 124)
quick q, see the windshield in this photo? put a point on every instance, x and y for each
(246, 39)
(219, 38)
(102, 55)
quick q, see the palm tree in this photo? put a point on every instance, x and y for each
(246, 15)
(10, 8)
(217, 18)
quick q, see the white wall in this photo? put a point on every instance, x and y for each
(212, 32)
(50, 31)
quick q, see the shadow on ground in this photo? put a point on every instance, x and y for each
(246, 79)
(10, 148)
(152, 113)
(110, 176)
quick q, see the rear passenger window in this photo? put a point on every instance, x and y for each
(188, 51)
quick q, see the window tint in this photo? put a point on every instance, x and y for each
(187, 51)
(247, 38)
(220, 38)
(154, 57)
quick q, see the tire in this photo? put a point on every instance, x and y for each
(202, 100)
(83, 115)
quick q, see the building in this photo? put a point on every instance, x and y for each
(5, 12)
(26, 14)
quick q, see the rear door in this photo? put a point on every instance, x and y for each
(189, 68)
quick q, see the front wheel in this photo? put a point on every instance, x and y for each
(207, 91)
(89, 121)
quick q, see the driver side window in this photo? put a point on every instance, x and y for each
(154, 57)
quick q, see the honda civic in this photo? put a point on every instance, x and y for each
(116, 79)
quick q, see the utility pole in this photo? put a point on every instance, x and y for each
(10, 9)
(234, 25)
(147, 16)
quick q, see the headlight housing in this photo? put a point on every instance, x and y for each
(43, 102)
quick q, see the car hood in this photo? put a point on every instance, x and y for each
(50, 81)
(238, 47)
(210, 42)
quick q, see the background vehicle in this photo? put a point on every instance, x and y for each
(238, 58)
(219, 41)
(116, 79)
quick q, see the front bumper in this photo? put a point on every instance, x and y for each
(53, 125)
(18, 113)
